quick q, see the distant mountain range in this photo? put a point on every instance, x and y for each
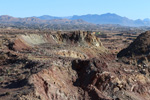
(107, 18)
(40, 20)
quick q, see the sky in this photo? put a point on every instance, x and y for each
(133, 9)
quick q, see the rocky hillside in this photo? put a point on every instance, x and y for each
(140, 46)
(138, 50)
(38, 65)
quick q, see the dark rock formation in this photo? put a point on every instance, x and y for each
(140, 46)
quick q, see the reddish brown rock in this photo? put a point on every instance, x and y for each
(67, 65)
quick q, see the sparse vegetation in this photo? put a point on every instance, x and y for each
(51, 59)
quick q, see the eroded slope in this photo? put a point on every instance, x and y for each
(64, 66)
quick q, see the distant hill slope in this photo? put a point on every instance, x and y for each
(35, 20)
(112, 19)
(10, 19)
(47, 17)
(107, 18)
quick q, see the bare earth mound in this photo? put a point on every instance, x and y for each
(138, 52)
(140, 46)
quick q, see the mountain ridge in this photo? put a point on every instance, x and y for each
(108, 18)
(35, 20)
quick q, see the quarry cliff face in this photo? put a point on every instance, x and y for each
(66, 66)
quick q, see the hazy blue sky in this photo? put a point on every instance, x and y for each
(133, 9)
